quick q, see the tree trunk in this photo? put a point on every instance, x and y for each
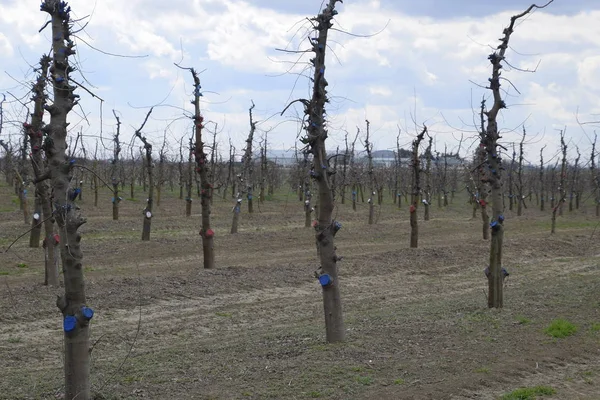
(68, 218)
(36, 223)
(236, 217)
(206, 231)
(147, 222)
(326, 227)
(416, 189)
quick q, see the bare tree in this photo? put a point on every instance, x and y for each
(353, 170)
(114, 169)
(427, 194)
(308, 208)
(245, 183)
(202, 169)
(398, 172)
(132, 176)
(316, 134)
(496, 273)
(573, 195)
(248, 171)
(76, 314)
(230, 172)
(264, 169)
(561, 188)
(190, 180)
(160, 181)
(149, 169)
(595, 176)
(542, 186)
(511, 193)
(416, 189)
(39, 145)
(370, 173)
(94, 180)
(484, 180)
(520, 195)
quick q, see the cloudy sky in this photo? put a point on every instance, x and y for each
(421, 61)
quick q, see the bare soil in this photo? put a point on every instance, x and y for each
(417, 321)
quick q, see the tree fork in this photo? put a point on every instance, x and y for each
(147, 222)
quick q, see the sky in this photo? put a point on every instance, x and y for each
(397, 63)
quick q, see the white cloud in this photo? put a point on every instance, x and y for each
(374, 77)
(380, 91)
(5, 47)
(589, 72)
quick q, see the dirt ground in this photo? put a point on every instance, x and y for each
(417, 321)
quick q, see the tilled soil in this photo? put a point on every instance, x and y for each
(417, 321)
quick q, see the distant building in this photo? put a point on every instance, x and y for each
(284, 158)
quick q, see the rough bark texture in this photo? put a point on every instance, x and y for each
(68, 218)
(316, 134)
(248, 166)
(520, 196)
(490, 142)
(427, 194)
(542, 186)
(190, 181)
(114, 170)
(398, 176)
(149, 167)
(370, 173)
(416, 189)
(345, 170)
(237, 208)
(307, 210)
(245, 178)
(206, 232)
(561, 189)
(574, 182)
(36, 222)
(38, 146)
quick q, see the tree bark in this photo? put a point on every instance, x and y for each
(416, 189)
(326, 227)
(68, 217)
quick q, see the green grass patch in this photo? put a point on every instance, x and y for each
(595, 328)
(523, 320)
(364, 380)
(560, 328)
(223, 314)
(22, 265)
(399, 381)
(483, 370)
(529, 393)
